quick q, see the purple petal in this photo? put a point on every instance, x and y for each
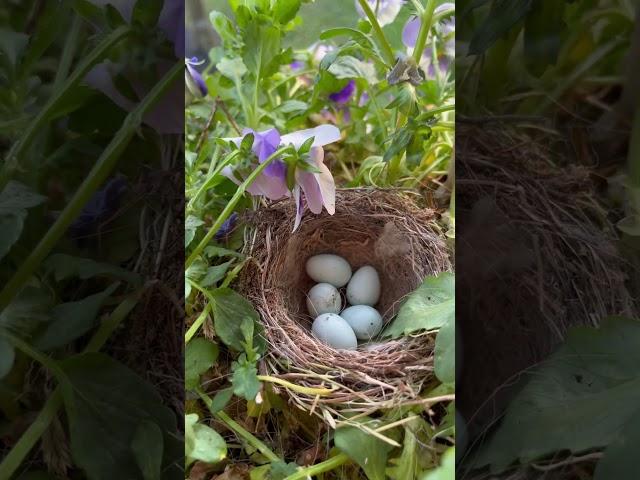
(297, 197)
(274, 188)
(444, 7)
(410, 32)
(296, 65)
(385, 11)
(277, 168)
(324, 134)
(309, 185)
(344, 95)
(195, 82)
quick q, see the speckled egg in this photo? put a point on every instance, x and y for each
(323, 298)
(329, 268)
(365, 321)
(364, 287)
(334, 331)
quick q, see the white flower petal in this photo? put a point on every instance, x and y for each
(324, 134)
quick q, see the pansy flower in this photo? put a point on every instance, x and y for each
(446, 53)
(193, 80)
(385, 11)
(314, 185)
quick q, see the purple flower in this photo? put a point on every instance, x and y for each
(99, 208)
(318, 188)
(385, 11)
(227, 227)
(193, 80)
(344, 95)
(296, 65)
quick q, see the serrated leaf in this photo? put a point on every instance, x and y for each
(230, 310)
(16, 196)
(223, 26)
(232, 68)
(428, 308)
(262, 45)
(245, 380)
(72, 320)
(347, 66)
(200, 355)
(285, 10)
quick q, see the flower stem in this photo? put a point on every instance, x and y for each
(425, 26)
(387, 51)
(92, 182)
(231, 204)
(322, 467)
(13, 158)
(30, 437)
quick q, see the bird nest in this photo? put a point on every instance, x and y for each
(538, 254)
(382, 228)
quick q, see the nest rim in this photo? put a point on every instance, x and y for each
(317, 378)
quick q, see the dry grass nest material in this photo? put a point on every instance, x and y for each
(382, 228)
(544, 259)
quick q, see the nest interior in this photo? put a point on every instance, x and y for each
(385, 229)
(538, 257)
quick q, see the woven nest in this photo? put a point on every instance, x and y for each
(538, 254)
(385, 229)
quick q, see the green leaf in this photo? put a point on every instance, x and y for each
(352, 33)
(11, 228)
(147, 12)
(504, 15)
(224, 27)
(12, 44)
(445, 352)
(7, 356)
(202, 443)
(347, 66)
(200, 355)
(543, 35)
(595, 371)
(366, 450)
(106, 403)
(89, 11)
(399, 143)
(232, 68)
(447, 468)
(216, 273)
(147, 446)
(293, 107)
(620, 457)
(407, 463)
(221, 399)
(16, 197)
(281, 470)
(191, 225)
(65, 266)
(72, 320)
(31, 307)
(285, 10)
(230, 309)
(262, 45)
(428, 308)
(245, 379)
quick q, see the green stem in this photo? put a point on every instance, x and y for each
(95, 178)
(12, 162)
(322, 467)
(231, 205)
(68, 52)
(387, 51)
(211, 178)
(238, 430)
(30, 437)
(195, 326)
(425, 26)
(28, 350)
